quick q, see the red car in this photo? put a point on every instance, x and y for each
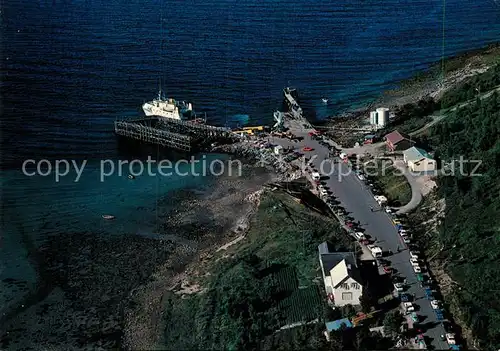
(349, 224)
(307, 148)
(387, 270)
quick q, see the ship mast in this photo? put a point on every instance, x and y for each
(162, 70)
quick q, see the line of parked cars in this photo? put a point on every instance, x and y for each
(415, 260)
(330, 200)
(426, 283)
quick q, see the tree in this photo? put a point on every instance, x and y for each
(330, 314)
(348, 311)
(367, 301)
(392, 323)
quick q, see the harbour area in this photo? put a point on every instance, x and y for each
(297, 150)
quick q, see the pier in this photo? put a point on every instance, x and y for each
(189, 135)
(295, 111)
(291, 100)
(171, 133)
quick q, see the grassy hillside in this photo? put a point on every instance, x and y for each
(470, 235)
(266, 281)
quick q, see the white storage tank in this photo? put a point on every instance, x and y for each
(373, 117)
(383, 116)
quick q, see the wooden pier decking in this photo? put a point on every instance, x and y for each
(175, 134)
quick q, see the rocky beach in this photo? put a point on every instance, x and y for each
(97, 291)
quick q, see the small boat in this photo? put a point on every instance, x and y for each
(108, 217)
(130, 176)
(325, 100)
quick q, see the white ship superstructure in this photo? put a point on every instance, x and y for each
(168, 108)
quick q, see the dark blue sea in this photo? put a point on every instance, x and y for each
(70, 68)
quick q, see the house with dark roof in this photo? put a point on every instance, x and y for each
(397, 141)
(419, 160)
(341, 276)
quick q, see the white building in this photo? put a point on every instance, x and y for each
(419, 160)
(382, 116)
(340, 276)
(373, 118)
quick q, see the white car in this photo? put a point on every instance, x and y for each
(408, 307)
(417, 269)
(388, 210)
(399, 286)
(414, 262)
(359, 235)
(435, 304)
(406, 239)
(361, 177)
(403, 232)
(414, 254)
(450, 338)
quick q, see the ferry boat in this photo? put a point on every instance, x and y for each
(168, 108)
(108, 217)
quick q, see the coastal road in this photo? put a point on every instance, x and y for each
(356, 198)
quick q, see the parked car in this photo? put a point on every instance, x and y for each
(428, 294)
(399, 287)
(387, 269)
(408, 307)
(435, 304)
(414, 254)
(414, 317)
(414, 262)
(450, 338)
(417, 269)
(406, 239)
(359, 235)
(385, 262)
(447, 327)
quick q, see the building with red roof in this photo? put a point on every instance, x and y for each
(397, 141)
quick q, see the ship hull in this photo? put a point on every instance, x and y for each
(150, 110)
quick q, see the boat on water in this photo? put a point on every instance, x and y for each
(108, 217)
(130, 176)
(325, 100)
(168, 108)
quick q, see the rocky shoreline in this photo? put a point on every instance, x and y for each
(430, 84)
